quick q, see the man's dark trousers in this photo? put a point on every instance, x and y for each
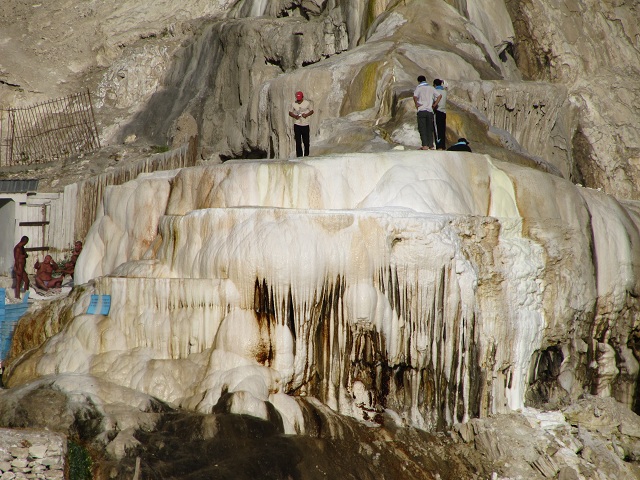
(441, 127)
(301, 134)
(425, 128)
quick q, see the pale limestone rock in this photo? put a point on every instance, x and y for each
(130, 139)
(70, 41)
(38, 451)
(134, 238)
(239, 286)
(526, 447)
(19, 452)
(19, 463)
(185, 127)
(582, 45)
(586, 131)
(250, 113)
(539, 117)
(465, 430)
(132, 80)
(492, 18)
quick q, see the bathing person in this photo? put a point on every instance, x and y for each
(20, 262)
(70, 266)
(44, 271)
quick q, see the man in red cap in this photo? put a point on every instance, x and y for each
(300, 111)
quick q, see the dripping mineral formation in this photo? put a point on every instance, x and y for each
(427, 288)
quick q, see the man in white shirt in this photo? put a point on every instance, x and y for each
(300, 111)
(424, 96)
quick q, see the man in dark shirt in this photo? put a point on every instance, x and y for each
(461, 146)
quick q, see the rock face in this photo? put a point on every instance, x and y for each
(236, 72)
(361, 95)
(440, 288)
(582, 45)
(408, 291)
(433, 287)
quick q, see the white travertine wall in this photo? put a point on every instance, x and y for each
(423, 283)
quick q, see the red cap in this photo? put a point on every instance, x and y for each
(299, 95)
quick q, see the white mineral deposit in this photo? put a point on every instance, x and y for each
(221, 293)
(370, 311)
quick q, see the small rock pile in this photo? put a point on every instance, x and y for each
(31, 454)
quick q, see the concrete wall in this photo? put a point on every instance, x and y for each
(7, 236)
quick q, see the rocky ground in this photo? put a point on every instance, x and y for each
(32, 454)
(54, 176)
(592, 439)
(51, 49)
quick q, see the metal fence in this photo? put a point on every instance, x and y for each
(48, 131)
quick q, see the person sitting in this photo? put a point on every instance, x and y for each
(461, 146)
(44, 278)
(70, 266)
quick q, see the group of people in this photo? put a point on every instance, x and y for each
(431, 103)
(45, 270)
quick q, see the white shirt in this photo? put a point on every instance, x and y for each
(305, 106)
(442, 104)
(425, 95)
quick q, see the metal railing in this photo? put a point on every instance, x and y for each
(48, 131)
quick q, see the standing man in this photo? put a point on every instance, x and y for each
(20, 262)
(300, 111)
(424, 96)
(440, 110)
